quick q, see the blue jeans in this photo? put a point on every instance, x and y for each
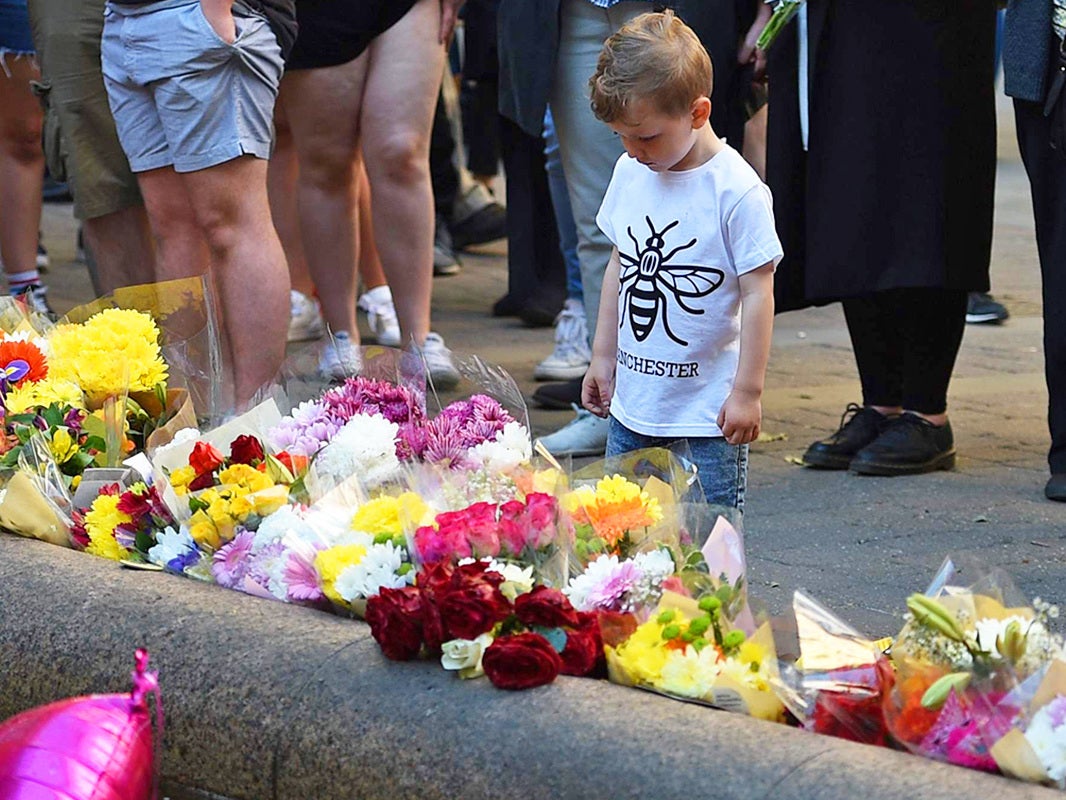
(15, 27)
(564, 215)
(723, 467)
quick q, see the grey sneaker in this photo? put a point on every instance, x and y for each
(570, 358)
(983, 308)
(305, 322)
(340, 358)
(585, 435)
(381, 315)
(440, 368)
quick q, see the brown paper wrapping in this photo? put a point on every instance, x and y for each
(24, 511)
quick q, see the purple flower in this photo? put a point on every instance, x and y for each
(230, 563)
(74, 419)
(261, 565)
(189, 558)
(125, 536)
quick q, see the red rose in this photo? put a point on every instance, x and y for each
(548, 608)
(395, 619)
(205, 458)
(521, 661)
(246, 450)
(470, 607)
(583, 653)
(478, 570)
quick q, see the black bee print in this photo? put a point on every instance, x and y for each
(643, 280)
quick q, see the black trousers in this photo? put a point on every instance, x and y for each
(1047, 180)
(536, 272)
(443, 173)
(905, 343)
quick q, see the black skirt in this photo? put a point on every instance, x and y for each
(896, 188)
(333, 32)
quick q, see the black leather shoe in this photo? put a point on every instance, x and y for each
(1056, 487)
(909, 445)
(487, 224)
(559, 395)
(836, 452)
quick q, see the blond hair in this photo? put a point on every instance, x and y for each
(655, 56)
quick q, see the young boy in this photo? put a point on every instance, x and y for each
(674, 357)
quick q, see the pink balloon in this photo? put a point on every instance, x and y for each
(97, 747)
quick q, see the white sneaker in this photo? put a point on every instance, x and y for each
(305, 322)
(35, 299)
(571, 356)
(381, 315)
(440, 368)
(340, 358)
(585, 435)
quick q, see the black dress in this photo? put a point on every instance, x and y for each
(334, 32)
(896, 189)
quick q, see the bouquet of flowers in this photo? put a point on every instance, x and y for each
(958, 657)
(125, 524)
(1035, 748)
(784, 11)
(689, 649)
(838, 683)
(484, 618)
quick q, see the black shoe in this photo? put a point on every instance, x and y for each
(563, 396)
(910, 445)
(1056, 487)
(507, 306)
(836, 451)
(982, 308)
(53, 191)
(445, 261)
(486, 224)
(540, 313)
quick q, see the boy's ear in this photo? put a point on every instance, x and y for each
(700, 111)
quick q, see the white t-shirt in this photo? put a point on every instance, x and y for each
(683, 238)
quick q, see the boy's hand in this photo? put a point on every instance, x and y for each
(598, 386)
(741, 417)
(219, 15)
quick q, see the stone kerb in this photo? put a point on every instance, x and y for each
(266, 701)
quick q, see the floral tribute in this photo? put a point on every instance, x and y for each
(463, 614)
(611, 518)
(126, 523)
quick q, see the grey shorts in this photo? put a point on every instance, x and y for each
(183, 97)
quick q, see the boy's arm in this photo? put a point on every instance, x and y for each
(741, 415)
(598, 387)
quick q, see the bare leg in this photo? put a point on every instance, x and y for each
(249, 266)
(282, 175)
(323, 110)
(181, 249)
(370, 269)
(396, 131)
(21, 165)
(120, 245)
(755, 142)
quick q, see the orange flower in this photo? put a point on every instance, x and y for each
(612, 519)
(22, 362)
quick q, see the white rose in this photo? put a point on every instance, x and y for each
(465, 655)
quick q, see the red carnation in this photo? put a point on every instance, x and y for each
(583, 653)
(521, 661)
(395, 619)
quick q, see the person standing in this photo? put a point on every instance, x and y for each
(881, 158)
(1034, 67)
(192, 85)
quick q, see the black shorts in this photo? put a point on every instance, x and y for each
(335, 32)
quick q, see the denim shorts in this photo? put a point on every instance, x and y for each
(183, 97)
(722, 467)
(15, 28)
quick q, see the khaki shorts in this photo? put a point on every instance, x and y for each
(81, 145)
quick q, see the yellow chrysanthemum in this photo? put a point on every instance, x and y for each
(44, 393)
(332, 562)
(100, 523)
(113, 351)
(644, 654)
(388, 514)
